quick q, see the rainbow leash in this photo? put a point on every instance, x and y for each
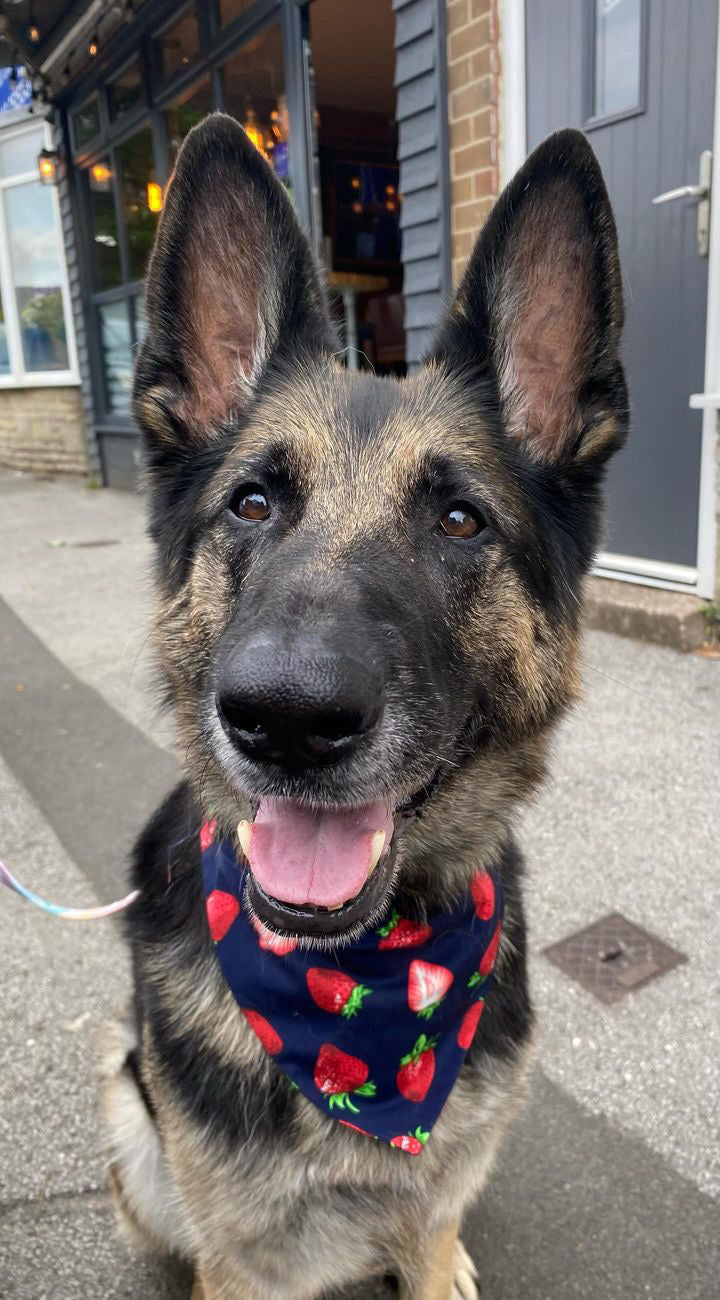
(65, 913)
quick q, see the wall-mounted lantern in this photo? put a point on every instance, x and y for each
(48, 164)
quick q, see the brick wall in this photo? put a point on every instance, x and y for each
(42, 429)
(473, 81)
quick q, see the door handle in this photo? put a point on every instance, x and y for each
(684, 192)
(701, 192)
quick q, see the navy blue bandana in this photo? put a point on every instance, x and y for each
(373, 1034)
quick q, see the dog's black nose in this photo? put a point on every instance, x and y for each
(305, 704)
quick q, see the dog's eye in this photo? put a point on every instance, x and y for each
(462, 521)
(250, 503)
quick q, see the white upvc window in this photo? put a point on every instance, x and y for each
(37, 341)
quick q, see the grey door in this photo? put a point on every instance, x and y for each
(639, 77)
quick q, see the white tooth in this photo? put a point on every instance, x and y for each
(244, 834)
(377, 844)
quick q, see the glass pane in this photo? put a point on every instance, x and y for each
(126, 91)
(617, 56)
(35, 255)
(137, 170)
(179, 45)
(4, 356)
(117, 354)
(254, 86)
(139, 317)
(232, 9)
(86, 123)
(185, 113)
(105, 251)
(19, 154)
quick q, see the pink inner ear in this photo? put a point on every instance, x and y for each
(547, 311)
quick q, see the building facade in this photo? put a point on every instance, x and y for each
(394, 124)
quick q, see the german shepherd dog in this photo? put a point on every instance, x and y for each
(369, 595)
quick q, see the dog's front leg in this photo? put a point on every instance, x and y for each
(210, 1286)
(442, 1270)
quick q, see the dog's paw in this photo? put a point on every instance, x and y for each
(465, 1283)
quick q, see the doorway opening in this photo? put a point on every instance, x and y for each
(356, 169)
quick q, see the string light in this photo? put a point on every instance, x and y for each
(93, 46)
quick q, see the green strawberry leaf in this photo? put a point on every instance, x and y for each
(366, 1089)
(387, 929)
(427, 1012)
(421, 1135)
(355, 1001)
(477, 978)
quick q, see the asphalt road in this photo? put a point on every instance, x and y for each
(608, 1186)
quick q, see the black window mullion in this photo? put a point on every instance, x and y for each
(120, 216)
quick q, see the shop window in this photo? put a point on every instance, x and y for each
(232, 9)
(126, 92)
(35, 344)
(137, 171)
(116, 337)
(185, 113)
(19, 153)
(105, 245)
(178, 46)
(617, 57)
(254, 90)
(86, 123)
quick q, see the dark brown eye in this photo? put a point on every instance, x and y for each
(462, 521)
(251, 503)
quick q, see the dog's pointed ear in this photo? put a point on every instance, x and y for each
(231, 282)
(539, 312)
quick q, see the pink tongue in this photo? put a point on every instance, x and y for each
(303, 855)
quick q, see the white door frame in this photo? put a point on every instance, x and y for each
(513, 150)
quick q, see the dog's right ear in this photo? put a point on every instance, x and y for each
(231, 282)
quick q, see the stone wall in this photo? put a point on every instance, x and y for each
(473, 52)
(42, 429)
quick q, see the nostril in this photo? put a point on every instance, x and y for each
(335, 726)
(239, 717)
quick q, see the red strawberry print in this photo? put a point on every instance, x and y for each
(337, 1074)
(401, 933)
(334, 991)
(483, 894)
(222, 909)
(488, 960)
(413, 1143)
(269, 1037)
(207, 834)
(271, 942)
(417, 1070)
(427, 986)
(466, 1032)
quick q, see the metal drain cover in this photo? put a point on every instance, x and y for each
(612, 957)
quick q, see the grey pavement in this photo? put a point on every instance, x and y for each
(608, 1186)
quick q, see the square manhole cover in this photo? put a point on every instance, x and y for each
(612, 957)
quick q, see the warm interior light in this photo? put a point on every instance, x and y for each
(390, 190)
(101, 173)
(355, 182)
(253, 132)
(154, 196)
(47, 164)
(357, 207)
(33, 33)
(93, 47)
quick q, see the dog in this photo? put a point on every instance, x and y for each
(369, 616)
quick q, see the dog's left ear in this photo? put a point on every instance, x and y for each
(538, 315)
(231, 282)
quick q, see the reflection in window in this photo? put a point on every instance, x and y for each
(137, 171)
(86, 123)
(617, 56)
(37, 274)
(185, 113)
(19, 153)
(255, 94)
(117, 351)
(105, 249)
(126, 92)
(179, 45)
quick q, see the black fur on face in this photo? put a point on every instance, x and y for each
(370, 588)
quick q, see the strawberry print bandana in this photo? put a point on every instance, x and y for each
(374, 1033)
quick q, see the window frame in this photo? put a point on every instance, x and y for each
(19, 376)
(594, 120)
